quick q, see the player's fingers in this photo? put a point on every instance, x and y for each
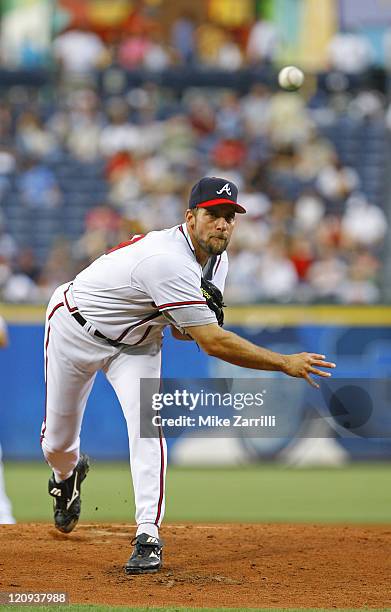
(310, 381)
(324, 364)
(316, 356)
(319, 372)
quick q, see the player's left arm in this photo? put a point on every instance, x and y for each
(219, 275)
(179, 336)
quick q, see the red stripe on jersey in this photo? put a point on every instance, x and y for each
(217, 267)
(121, 245)
(54, 310)
(66, 301)
(187, 240)
(132, 327)
(146, 333)
(181, 304)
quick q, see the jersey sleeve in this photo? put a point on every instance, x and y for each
(174, 286)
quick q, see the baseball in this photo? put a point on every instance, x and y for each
(290, 78)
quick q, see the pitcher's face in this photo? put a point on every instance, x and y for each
(211, 228)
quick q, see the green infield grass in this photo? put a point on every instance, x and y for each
(263, 493)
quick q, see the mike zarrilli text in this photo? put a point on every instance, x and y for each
(214, 421)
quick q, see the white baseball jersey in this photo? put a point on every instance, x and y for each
(128, 295)
(131, 293)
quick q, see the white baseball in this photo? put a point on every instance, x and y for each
(290, 78)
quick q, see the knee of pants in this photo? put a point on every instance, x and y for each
(61, 445)
(58, 436)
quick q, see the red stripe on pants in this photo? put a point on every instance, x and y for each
(159, 506)
(46, 369)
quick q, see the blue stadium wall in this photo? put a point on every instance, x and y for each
(358, 339)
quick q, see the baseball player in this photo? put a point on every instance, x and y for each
(6, 517)
(111, 318)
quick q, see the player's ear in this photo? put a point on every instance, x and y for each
(190, 216)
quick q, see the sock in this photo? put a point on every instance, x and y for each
(60, 477)
(148, 528)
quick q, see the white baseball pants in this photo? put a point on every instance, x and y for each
(72, 359)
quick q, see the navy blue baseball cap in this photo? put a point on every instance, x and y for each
(213, 191)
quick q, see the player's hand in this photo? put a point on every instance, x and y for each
(302, 365)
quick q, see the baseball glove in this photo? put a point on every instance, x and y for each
(214, 299)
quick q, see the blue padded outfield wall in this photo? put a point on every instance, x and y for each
(359, 341)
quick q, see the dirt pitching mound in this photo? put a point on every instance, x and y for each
(228, 565)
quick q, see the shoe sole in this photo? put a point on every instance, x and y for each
(141, 571)
(68, 528)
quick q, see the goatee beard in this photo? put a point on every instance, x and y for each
(215, 251)
(210, 249)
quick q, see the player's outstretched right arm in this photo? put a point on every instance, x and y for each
(230, 347)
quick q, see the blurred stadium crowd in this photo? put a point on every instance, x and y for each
(80, 171)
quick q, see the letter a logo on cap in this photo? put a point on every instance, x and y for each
(226, 188)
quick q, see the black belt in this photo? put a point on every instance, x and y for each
(83, 322)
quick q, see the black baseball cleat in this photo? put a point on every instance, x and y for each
(67, 502)
(147, 555)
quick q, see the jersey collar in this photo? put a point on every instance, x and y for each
(183, 229)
